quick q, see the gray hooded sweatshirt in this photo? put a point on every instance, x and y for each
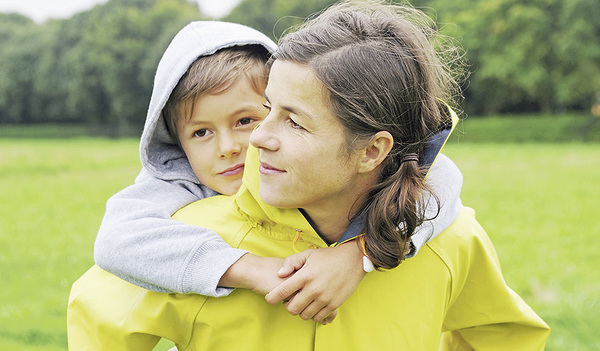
(139, 242)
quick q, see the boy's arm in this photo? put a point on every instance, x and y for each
(139, 242)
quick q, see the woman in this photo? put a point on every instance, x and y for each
(354, 95)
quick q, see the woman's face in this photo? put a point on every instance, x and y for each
(304, 162)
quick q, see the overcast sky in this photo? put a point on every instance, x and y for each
(41, 10)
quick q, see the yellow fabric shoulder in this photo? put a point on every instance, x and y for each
(454, 285)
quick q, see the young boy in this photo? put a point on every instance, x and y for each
(207, 98)
(137, 240)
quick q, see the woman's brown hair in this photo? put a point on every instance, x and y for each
(383, 70)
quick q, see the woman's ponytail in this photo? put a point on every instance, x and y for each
(393, 212)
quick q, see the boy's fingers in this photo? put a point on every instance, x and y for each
(323, 315)
(292, 263)
(312, 310)
(284, 291)
(329, 318)
(306, 303)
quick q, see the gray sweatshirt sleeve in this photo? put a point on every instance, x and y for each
(445, 180)
(139, 242)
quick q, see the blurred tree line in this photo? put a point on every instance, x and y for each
(97, 67)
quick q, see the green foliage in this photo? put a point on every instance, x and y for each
(19, 56)
(44, 131)
(273, 17)
(536, 55)
(97, 67)
(538, 203)
(10, 24)
(111, 62)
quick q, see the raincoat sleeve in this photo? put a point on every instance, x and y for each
(140, 243)
(484, 313)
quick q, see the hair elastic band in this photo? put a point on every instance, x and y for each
(410, 157)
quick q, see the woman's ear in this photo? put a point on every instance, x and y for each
(376, 151)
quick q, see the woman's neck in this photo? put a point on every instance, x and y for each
(331, 221)
(329, 229)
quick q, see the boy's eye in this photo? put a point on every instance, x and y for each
(201, 133)
(246, 120)
(268, 107)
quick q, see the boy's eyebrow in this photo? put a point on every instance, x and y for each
(193, 122)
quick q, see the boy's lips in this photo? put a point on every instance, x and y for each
(267, 169)
(233, 170)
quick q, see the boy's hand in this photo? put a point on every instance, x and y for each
(322, 280)
(256, 273)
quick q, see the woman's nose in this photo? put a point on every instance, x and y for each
(264, 136)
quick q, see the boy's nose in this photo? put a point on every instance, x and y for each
(229, 146)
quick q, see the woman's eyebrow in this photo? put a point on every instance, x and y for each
(292, 110)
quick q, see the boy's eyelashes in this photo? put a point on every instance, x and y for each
(201, 133)
(241, 122)
(245, 120)
(267, 106)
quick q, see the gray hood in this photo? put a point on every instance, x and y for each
(159, 154)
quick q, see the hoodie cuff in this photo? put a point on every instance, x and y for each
(206, 267)
(412, 252)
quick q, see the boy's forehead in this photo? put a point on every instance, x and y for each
(231, 100)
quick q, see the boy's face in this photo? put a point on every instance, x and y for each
(215, 139)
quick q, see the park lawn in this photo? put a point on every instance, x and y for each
(52, 201)
(538, 202)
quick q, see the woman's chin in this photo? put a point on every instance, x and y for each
(274, 198)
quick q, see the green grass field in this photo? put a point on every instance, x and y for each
(538, 202)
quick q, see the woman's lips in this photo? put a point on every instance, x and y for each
(267, 169)
(234, 170)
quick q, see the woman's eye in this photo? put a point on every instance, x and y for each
(201, 133)
(294, 124)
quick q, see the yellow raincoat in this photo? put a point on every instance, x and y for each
(453, 285)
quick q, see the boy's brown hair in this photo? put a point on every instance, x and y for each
(213, 74)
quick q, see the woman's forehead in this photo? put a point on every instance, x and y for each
(296, 87)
